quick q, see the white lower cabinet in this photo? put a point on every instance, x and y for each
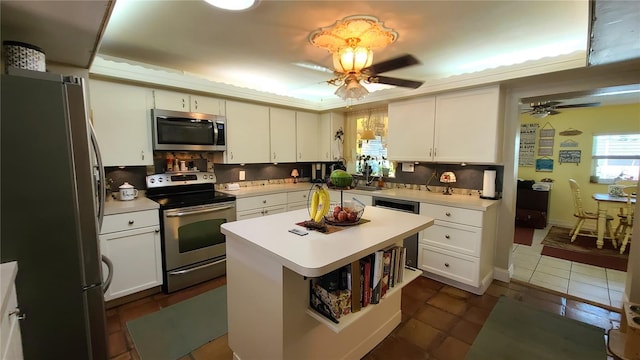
(297, 200)
(10, 337)
(261, 205)
(132, 242)
(458, 248)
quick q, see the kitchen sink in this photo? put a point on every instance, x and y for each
(367, 188)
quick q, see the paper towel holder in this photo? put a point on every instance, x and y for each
(489, 179)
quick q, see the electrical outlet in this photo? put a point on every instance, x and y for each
(408, 167)
(241, 175)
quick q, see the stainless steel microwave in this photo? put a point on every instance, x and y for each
(188, 131)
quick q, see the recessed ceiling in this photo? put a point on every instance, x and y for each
(258, 49)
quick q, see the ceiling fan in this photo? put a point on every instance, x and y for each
(351, 41)
(545, 108)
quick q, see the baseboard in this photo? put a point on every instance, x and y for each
(503, 275)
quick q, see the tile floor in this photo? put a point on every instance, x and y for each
(438, 321)
(591, 283)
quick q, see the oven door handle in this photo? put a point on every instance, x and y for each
(185, 213)
(186, 271)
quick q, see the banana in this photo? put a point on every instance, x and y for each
(327, 200)
(313, 209)
(323, 205)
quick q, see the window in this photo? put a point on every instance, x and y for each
(371, 142)
(615, 157)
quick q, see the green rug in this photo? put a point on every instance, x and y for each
(515, 330)
(178, 329)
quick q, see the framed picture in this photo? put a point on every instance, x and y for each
(544, 165)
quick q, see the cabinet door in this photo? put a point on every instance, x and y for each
(206, 105)
(410, 130)
(468, 126)
(137, 264)
(171, 100)
(122, 121)
(10, 337)
(329, 148)
(248, 133)
(306, 136)
(282, 135)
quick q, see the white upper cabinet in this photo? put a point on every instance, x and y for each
(122, 121)
(462, 126)
(468, 126)
(282, 135)
(410, 130)
(247, 134)
(307, 136)
(177, 101)
(329, 148)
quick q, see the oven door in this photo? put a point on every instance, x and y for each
(192, 234)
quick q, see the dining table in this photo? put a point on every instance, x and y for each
(605, 203)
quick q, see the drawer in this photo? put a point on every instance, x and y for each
(453, 214)
(297, 206)
(453, 266)
(129, 221)
(455, 237)
(297, 196)
(260, 201)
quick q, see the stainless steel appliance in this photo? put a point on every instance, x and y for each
(188, 131)
(410, 243)
(49, 213)
(191, 212)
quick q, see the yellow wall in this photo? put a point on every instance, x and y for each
(591, 121)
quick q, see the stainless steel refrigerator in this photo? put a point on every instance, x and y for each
(50, 215)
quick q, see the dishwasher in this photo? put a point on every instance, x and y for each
(410, 243)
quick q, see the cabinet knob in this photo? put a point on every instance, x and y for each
(19, 315)
(447, 213)
(131, 222)
(157, 230)
(264, 201)
(446, 264)
(447, 236)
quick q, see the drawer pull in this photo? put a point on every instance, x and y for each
(131, 222)
(446, 264)
(447, 213)
(18, 314)
(447, 236)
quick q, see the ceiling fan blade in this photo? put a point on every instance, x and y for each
(578, 105)
(313, 66)
(553, 112)
(392, 64)
(395, 81)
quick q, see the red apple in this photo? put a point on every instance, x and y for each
(342, 216)
(352, 216)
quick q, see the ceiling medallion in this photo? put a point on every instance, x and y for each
(351, 41)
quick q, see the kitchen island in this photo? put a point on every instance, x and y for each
(268, 271)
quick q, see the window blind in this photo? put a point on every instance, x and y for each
(616, 146)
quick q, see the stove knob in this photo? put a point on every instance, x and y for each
(159, 179)
(152, 180)
(205, 177)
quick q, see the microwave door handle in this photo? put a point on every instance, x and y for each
(186, 213)
(215, 133)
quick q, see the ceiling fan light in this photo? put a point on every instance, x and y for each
(352, 59)
(540, 114)
(352, 90)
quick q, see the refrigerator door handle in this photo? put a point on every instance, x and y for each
(107, 282)
(101, 180)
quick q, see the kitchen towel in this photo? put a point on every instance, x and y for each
(489, 184)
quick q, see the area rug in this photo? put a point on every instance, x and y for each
(558, 244)
(178, 329)
(515, 330)
(523, 235)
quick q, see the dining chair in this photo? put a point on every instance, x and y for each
(583, 215)
(625, 217)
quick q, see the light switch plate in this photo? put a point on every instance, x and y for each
(241, 175)
(408, 167)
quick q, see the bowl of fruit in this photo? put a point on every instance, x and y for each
(347, 213)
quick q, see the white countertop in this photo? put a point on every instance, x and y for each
(8, 272)
(256, 190)
(112, 206)
(473, 202)
(316, 254)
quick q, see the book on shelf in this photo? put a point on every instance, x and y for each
(386, 272)
(401, 265)
(355, 286)
(376, 286)
(366, 280)
(394, 261)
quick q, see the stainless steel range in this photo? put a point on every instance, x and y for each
(191, 212)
